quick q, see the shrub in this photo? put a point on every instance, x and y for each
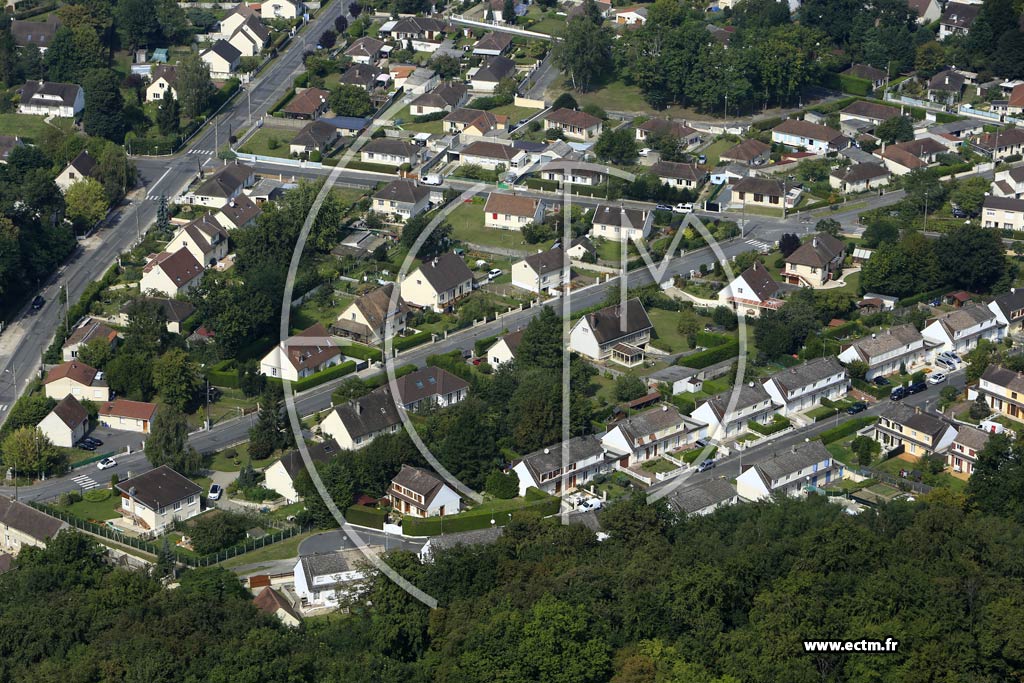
(365, 516)
(504, 485)
(211, 533)
(403, 343)
(97, 495)
(846, 429)
(703, 359)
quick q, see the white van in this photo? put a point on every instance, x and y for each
(432, 179)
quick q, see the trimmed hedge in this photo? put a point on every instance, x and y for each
(481, 345)
(777, 425)
(542, 184)
(327, 375)
(846, 429)
(362, 352)
(869, 388)
(403, 343)
(703, 359)
(97, 495)
(478, 519)
(366, 516)
(711, 339)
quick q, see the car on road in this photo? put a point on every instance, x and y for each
(94, 441)
(432, 179)
(916, 387)
(215, 492)
(858, 407)
(494, 273)
(106, 464)
(683, 207)
(663, 207)
(937, 378)
(38, 302)
(897, 394)
(881, 381)
(705, 465)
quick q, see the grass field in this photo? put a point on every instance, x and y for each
(406, 117)
(667, 336)
(467, 223)
(281, 550)
(86, 510)
(260, 143)
(26, 126)
(229, 405)
(715, 150)
(515, 114)
(312, 312)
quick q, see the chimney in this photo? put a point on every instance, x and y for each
(947, 79)
(814, 242)
(359, 408)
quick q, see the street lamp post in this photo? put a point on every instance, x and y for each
(926, 210)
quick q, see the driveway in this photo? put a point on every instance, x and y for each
(333, 541)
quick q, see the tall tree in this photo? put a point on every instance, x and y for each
(584, 53)
(268, 434)
(104, 106)
(168, 115)
(972, 257)
(194, 87)
(168, 442)
(176, 378)
(31, 453)
(350, 100)
(86, 202)
(136, 22)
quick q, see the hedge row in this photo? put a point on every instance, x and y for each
(923, 296)
(284, 99)
(403, 343)
(361, 351)
(79, 310)
(365, 516)
(541, 184)
(777, 425)
(481, 345)
(477, 519)
(356, 164)
(710, 339)
(846, 429)
(327, 375)
(703, 359)
(869, 388)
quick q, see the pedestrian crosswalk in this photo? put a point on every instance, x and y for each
(3, 407)
(85, 482)
(759, 245)
(204, 152)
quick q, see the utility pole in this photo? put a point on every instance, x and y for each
(926, 210)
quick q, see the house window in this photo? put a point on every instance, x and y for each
(177, 505)
(191, 500)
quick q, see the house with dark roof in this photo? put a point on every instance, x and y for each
(162, 80)
(621, 224)
(749, 152)
(651, 433)
(485, 78)
(270, 601)
(575, 125)
(904, 157)
(962, 455)
(250, 37)
(916, 432)
(512, 212)
(280, 476)
(66, 423)
(474, 122)
(946, 86)
(365, 50)
(81, 167)
(370, 317)
(1009, 183)
(439, 283)
(390, 151)
(171, 273)
(88, 330)
(815, 262)
(794, 471)
(804, 386)
(1002, 143)
(580, 248)
(437, 544)
(751, 191)
(725, 421)
(302, 355)
(752, 292)
(129, 416)
(927, 11)
(493, 44)
(431, 386)
(1003, 213)
(542, 271)
(365, 76)
(174, 311)
(667, 128)
(957, 19)
(1009, 310)
(22, 525)
(238, 212)
(812, 137)
(222, 58)
(417, 492)
(961, 329)
(704, 497)
(1003, 390)
(504, 350)
(445, 97)
(315, 136)
(307, 105)
(859, 178)
(401, 199)
(615, 332)
(204, 237)
(77, 379)
(39, 34)
(562, 467)
(356, 423)
(867, 112)
(153, 501)
(680, 176)
(418, 29)
(225, 184)
(887, 351)
(45, 98)
(866, 72)
(325, 580)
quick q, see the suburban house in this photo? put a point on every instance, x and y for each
(473, 122)
(45, 98)
(963, 452)
(621, 224)
(153, 501)
(445, 97)
(161, 81)
(651, 433)
(750, 152)
(8, 143)
(302, 355)
(205, 238)
(365, 76)
(866, 72)
(308, 104)
(1003, 390)
(493, 44)
(960, 330)
(946, 87)
(222, 58)
(493, 71)
(129, 416)
(957, 18)
(271, 602)
(250, 37)
(789, 472)
(918, 433)
(370, 317)
(561, 172)
(238, 212)
(39, 34)
(171, 274)
(752, 292)
(703, 498)
(1009, 183)
(494, 156)
(431, 386)
(512, 212)
(439, 283)
(23, 525)
(617, 332)
(764, 192)
(631, 16)
(66, 423)
(542, 271)
(927, 10)
(666, 127)
(224, 185)
(859, 178)
(679, 379)
(315, 136)
(89, 330)
(580, 248)
(815, 262)
(323, 580)
(810, 136)
(176, 312)
(903, 157)
(76, 379)
(418, 30)
(871, 113)
(390, 151)
(401, 199)
(548, 470)
(356, 423)
(885, 352)
(575, 125)
(504, 350)
(753, 404)
(1002, 143)
(417, 492)
(81, 167)
(365, 50)
(282, 9)
(280, 477)
(1004, 213)
(803, 386)
(688, 176)
(1009, 310)
(236, 17)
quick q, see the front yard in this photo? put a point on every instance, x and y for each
(27, 126)
(467, 223)
(271, 142)
(666, 335)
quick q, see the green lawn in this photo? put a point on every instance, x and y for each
(657, 466)
(312, 312)
(942, 480)
(282, 550)
(26, 126)
(550, 25)
(86, 510)
(467, 223)
(406, 118)
(222, 463)
(715, 150)
(667, 337)
(230, 404)
(261, 141)
(515, 114)
(611, 250)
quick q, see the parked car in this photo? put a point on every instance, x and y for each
(432, 179)
(85, 446)
(897, 394)
(857, 407)
(683, 207)
(881, 381)
(945, 363)
(494, 273)
(960, 213)
(645, 151)
(94, 441)
(38, 302)
(916, 387)
(215, 492)
(663, 207)
(106, 464)
(702, 159)
(937, 378)
(705, 465)
(949, 355)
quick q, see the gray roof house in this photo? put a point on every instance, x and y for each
(704, 497)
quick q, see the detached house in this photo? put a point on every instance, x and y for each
(417, 492)
(445, 97)
(620, 224)
(815, 262)
(205, 238)
(866, 72)
(575, 125)
(280, 477)
(918, 433)
(750, 152)
(957, 18)
(302, 355)
(810, 136)
(39, 34)
(66, 423)
(763, 192)
(401, 199)
(753, 404)
(439, 283)
(365, 76)
(476, 122)
(238, 212)
(1009, 310)
(885, 352)
(803, 386)
(963, 452)
(631, 16)
(44, 98)
(871, 113)
(222, 58)
(650, 434)
(752, 292)
(618, 332)
(1002, 144)
(431, 386)
(512, 212)
(155, 500)
(81, 167)
(704, 497)
(130, 416)
(791, 472)
(665, 127)
(162, 80)
(365, 50)
(493, 71)
(250, 37)
(356, 423)
(504, 350)
(961, 329)
(542, 272)
(90, 330)
(904, 157)
(1009, 183)
(22, 525)
(494, 156)
(224, 185)
(370, 318)
(308, 104)
(76, 379)
(1003, 213)
(389, 151)
(493, 44)
(324, 580)
(1003, 390)
(859, 178)
(282, 9)
(171, 274)
(545, 470)
(680, 176)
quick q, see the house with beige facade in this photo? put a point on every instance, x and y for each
(1003, 390)
(171, 273)
(621, 224)
(618, 333)
(438, 283)
(77, 379)
(129, 416)
(205, 238)
(962, 455)
(815, 262)
(901, 346)
(22, 525)
(542, 272)
(302, 355)
(370, 317)
(66, 423)
(354, 424)
(153, 501)
(918, 433)
(574, 125)
(280, 476)
(512, 212)
(417, 492)
(1003, 213)
(401, 199)
(651, 433)
(89, 330)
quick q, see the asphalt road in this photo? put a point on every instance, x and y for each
(333, 541)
